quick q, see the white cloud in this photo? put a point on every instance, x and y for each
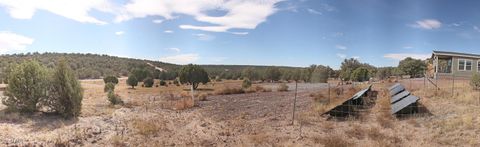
(168, 31)
(343, 56)
(119, 33)
(356, 57)
(341, 47)
(427, 24)
(72, 9)
(407, 47)
(402, 56)
(174, 49)
(204, 37)
(313, 11)
(240, 14)
(181, 59)
(158, 21)
(240, 33)
(10, 41)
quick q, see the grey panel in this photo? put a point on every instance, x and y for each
(390, 88)
(403, 103)
(399, 96)
(361, 93)
(397, 89)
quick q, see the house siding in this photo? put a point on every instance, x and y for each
(461, 73)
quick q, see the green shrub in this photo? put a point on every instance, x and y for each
(246, 83)
(163, 83)
(110, 79)
(475, 81)
(113, 98)
(65, 93)
(27, 85)
(132, 81)
(148, 82)
(109, 87)
(360, 74)
(193, 75)
(176, 82)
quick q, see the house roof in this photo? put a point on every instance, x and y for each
(457, 54)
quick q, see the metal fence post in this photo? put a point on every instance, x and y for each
(453, 85)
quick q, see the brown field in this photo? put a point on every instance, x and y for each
(260, 116)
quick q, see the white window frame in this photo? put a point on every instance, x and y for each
(478, 65)
(465, 64)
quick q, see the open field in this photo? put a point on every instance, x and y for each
(156, 117)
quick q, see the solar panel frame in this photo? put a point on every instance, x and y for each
(398, 106)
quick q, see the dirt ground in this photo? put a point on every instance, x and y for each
(251, 119)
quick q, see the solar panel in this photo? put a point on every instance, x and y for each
(403, 103)
(399, 96)
(390, 88)
(397, 89)
(361, 93)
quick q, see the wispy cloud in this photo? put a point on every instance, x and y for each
(119, 33)
(240, 33)
(476, 28)
(174, 49)
(239, 12)
(401, 56)
(181, 59)
(427, 24)
(11, 41)
(168, 31)
(313, 11)
(342, 56)
(204, 37)
(408, 47)
(341, 47)
(158, 21)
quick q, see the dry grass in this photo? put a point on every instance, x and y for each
(384, 117)
(333, 141)
(147, 127)
(229, 91)
(183, 103)
(282, 87)
(202, 97)
(259, 138)
(357, 132)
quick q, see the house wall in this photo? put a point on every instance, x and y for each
(466, 74)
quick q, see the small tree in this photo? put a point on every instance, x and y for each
(109, 87)
(246, 83)
(475, 81)
(132, 81)
(320, 74)
(27, 85)
(273, 74)
(110, 79)
(163, 83)
(360, 74)
(148, 82)
(194, 75)
(65, 92)
(412, 67)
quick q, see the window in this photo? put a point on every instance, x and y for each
(464, 65)
(461, 64)
(478, 65)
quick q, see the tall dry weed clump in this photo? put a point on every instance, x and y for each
(333, 141)
(384, 117)
(183, 103)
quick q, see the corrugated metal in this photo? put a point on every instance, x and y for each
(403, 103)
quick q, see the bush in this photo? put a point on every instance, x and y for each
(65, 92)
(148, 82)
(163, 83)
(229, 91)
(113, 98)
(360, 74)
(475, 81)
(282, 87)
(110, 79)
(176, 82)
(193, 75)
(109, 87)
(132, 81)
(27, 85)
(246, 83)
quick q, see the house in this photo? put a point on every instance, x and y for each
(453, 64)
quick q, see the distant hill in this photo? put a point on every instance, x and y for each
(93, 66)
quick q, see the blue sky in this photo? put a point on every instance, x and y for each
(253, 32)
